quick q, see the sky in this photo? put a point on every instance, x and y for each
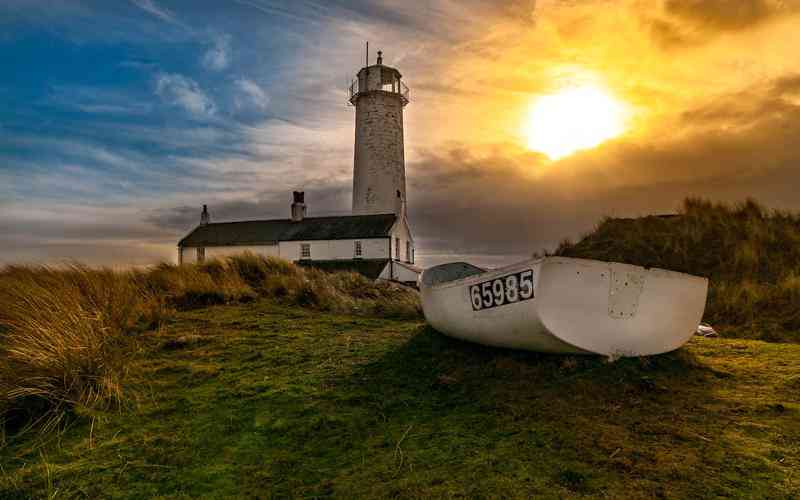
(120, 119)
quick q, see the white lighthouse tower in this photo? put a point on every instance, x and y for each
(379, 172)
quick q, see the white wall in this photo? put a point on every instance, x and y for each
(187, 255)
(401, 230)
(398, 271)
(190, 253)
(371, 248)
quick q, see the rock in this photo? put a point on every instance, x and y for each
(706, 330)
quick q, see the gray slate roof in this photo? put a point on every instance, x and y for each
(262, 232)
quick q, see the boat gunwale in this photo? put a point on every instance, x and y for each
(540, 260)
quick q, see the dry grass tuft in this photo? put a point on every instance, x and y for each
(341, 292)
(191, 286)
(64, 338)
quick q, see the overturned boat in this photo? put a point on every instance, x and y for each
(565, 305)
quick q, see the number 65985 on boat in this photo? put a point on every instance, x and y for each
(502, 290)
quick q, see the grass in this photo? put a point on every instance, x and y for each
(66, 334)
(750, 255)
(265, 400)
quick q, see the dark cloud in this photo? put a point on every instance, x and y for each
(691, 22)
(54, 230)
(101, 240)
(722, 14)
(322, 198)
(669, 34)
(786, 86)
(773, 105)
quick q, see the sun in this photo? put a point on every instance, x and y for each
(572, 119)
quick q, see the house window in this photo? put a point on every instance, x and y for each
(358, 249)
(305, 250)
(397, 248)
(408, 251)
(201, 254)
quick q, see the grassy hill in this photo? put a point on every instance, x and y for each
(268, 400)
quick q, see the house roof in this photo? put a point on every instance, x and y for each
(370, 268)
(261, 232)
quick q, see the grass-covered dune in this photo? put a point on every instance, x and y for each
(269, 401)
(66, 334)
(751, 256)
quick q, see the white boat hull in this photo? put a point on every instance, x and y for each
(564, 305)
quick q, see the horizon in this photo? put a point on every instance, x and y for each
(122, 119)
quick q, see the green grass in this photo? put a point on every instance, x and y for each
(265, 400)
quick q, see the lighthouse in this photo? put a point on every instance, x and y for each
(375, 240)
(379, 174)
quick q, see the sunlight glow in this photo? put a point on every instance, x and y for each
(572, 119)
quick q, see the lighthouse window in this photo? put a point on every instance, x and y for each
(397, 248)
(305, 250)
(358, 249)
(408, 251)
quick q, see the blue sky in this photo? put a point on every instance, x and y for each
(115, 112)
(119, 119)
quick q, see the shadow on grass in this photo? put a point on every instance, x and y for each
(431, 363)
(567, 414)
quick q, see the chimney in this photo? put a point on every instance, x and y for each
(399, 204)
(298, 206)
(205, 218)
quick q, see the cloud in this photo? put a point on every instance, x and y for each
(324, 197)
(722, 14)
(96, 100)
(153, 8)
(773, 104)
(327, 10)
(217, 57)
(788, 86)
(179, 90)
(692, 22)
(138, 65)
(250, 95)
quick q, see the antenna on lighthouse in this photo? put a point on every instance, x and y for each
(367, 58)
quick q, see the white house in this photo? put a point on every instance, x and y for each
(376, 240)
